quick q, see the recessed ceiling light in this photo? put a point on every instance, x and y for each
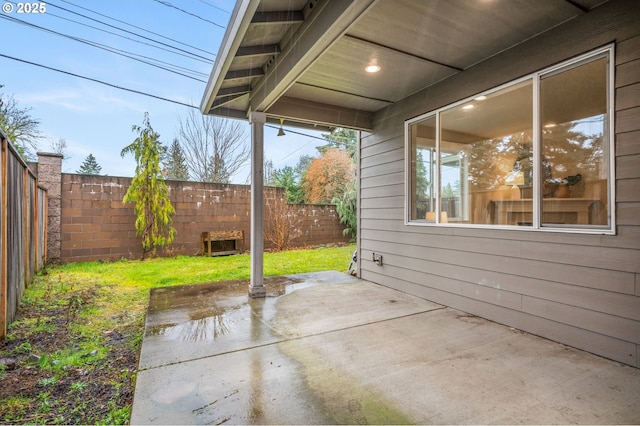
(549, 125)
(468, 106)
(480, 98)
(372, 68)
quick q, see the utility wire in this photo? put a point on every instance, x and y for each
(208, 61)
(155, 97)
(298, 133)
(214, 6)
(139, 28)
(122, 29)
(96, 81)
(168, 4)
(109, 49)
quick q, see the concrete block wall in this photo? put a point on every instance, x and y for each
(96, 225)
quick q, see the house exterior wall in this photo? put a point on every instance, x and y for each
(579, 289)
(96, 225)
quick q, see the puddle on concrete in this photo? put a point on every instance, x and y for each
(206, 312)
(211, 326)
(246, 369)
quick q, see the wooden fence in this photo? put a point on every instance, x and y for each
(23, 218)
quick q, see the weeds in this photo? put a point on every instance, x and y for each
(78, 386)
(48, 381)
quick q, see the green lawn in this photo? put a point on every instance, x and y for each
(160, 272)
(76, 338)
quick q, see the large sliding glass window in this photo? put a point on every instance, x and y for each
(533, 154)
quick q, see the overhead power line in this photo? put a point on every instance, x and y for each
(115, 86)
(214, 6)
(138, 92)
(298, 133)
(189, 56)
(122, 29)
(120, 52)
(168, 4)
(139, 28)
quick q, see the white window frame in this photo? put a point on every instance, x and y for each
(537, 226)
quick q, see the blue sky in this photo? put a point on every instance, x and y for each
(97, 119)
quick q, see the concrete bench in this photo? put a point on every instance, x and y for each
(221, 243)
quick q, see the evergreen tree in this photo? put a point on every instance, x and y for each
(175, 162)
(447, 191)
(342, 139)
(148, 190)
(422, 179)
(347, 209)
(89, 166)
(288, 178)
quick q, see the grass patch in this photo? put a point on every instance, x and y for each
(76, 338)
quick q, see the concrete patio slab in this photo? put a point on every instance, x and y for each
(327, 348)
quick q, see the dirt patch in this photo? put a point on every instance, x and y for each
(49, 376)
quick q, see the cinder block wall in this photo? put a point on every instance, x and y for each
(96, 225)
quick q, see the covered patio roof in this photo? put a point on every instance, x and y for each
(304, 61)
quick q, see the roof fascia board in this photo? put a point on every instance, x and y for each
(238, 24)
(329, 21)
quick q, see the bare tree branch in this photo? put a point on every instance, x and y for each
(19, 126)
(215, 148)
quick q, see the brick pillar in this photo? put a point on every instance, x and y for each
(50, 177)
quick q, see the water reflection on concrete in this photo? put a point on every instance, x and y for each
(208, 319)
(210, 356)
(352, 352)
(205, 312)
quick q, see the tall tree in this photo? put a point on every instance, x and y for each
(175, 162)
(269, 172)
(346, 203)
(347, 209)
(288, 178)
(342, 139)
(303, 164)
(89, 166)
(19, 126)
(215, 148)
(327, 177)
(59, 147)
(148, 190)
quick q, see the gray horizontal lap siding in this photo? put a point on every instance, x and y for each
(581, 290)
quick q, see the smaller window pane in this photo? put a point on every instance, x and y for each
(575, 146)
(423, 170)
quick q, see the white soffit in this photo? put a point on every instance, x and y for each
(278, 54)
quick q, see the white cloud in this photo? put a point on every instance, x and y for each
(63, 98)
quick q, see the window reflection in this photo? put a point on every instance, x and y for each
(573, 110)
(481, 155)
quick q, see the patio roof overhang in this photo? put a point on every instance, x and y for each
(304, 61)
